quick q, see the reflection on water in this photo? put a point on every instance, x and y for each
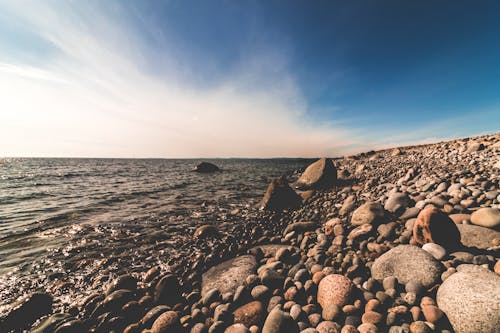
(57, 213)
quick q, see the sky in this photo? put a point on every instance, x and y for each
(171, 79)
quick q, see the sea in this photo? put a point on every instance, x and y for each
(56, 213)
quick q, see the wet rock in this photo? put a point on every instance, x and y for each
(301, 227)
(480, 237)
(206, 167)
(279, 322)
(50, 323)
(408, 263)
(434, 226)
(486, 217)
(470, 298)
(126, 281)
(167, 290)
(72, 326)
(227, 276)
(206, 230)
(167, 322)
(334, 289)
(27, 311)
(279, 195)
(252, 313)
(319, 174)
(368, 213)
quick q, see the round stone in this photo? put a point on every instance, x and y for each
(408, 263)
(470, 299)
(334, 289)
(434, 226)
(250, 314)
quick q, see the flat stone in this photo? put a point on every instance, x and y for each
(408, 263)
(480, 237)
(486, 217)
(229, 275)
(470, 299)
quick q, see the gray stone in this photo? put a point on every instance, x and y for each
(408, 263)
(471, 300)
(486, 217)
(227, 276)
(367, 213)
(480, 237)
(397, 202)
(436, 250)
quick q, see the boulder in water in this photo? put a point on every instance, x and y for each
(206, 167)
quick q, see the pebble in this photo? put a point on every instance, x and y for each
(436, 250)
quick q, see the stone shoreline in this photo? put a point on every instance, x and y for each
(399, 240)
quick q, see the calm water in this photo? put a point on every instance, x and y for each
(43, 202)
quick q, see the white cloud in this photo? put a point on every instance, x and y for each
(94, 99)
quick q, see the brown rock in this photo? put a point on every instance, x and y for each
(334, 289)
(434, 226)
(167, 322)
(432, 313)
(319, 174)
(371, 317)
(460, 218)
(206, 230)
(497, 267)
(368, 213)
(252, 313)
(328, 327)
(279, 195)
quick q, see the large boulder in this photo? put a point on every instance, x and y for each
(486, 217)
(279, 195)
(408, 263)
(368, 213)
(434, 226)
(319, 174)
(471, 300)
(334, 289)
(229, 275)
(480, 237)
(206, 167)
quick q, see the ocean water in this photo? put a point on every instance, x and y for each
(56, 213)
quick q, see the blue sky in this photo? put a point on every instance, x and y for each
(244, 78)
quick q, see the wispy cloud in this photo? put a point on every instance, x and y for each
(97, 91)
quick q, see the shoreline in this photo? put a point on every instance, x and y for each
(415, 171)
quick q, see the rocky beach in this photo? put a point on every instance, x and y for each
(398, 240)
